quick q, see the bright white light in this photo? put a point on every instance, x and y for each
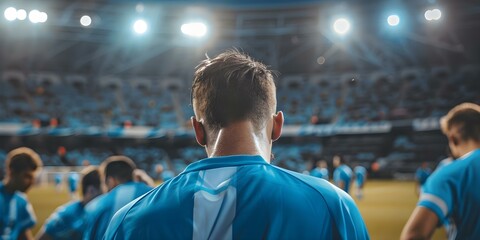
(10, 14)
(42, 17)
(140, 26)
(434, 14)
(393, 20)
(21, 14)
(341, 26)
(194, 29)
(85, 20)
(34, 16)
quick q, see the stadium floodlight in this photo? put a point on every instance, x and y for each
(42, 17)
(433, 14)
(140, 26)
(341, 26)
(21, 14)
(34, 16)
(85, 20)
(194, 29)
(10, 14)
(393, 20)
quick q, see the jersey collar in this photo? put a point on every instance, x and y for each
(225, 161)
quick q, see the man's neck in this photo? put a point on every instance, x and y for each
(468, 147)
(8, 186)
(240, 138)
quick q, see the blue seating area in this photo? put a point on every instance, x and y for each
(305, 99)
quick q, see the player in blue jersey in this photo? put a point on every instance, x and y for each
(342, 176)
(320, 170)
(236, 193)
(16, 213)
(68, 221)
(421, 176)
(451, 193)
(118, 177)
(360, 178)
(58, 181)
(72, 184)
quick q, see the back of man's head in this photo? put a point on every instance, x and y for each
(22, 159)
(90, 180)
(465, 118)
(119, 168)
(233, 87)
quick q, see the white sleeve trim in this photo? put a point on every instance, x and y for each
(435, 200)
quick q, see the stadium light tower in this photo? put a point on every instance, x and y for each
(341, 26)
(194, 29)
(85, 20)
(393, 20)
(10, 14)
(140, 26)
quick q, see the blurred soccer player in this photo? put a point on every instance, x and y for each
(342, 176)
(72, 184)
(235, 193)
(451, 193)
(68, 221)
(118, 176)
(16, 213)
(421, 176)
(320, 170)
(58, 182)
(360, 178)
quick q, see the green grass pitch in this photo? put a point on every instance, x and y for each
(385, 208)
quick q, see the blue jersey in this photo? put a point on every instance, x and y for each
(444, 163)
(16, 214)
(240, 197)
(101, 209)
(73, 181)
(422, 174)
(58, 178)
(343, 173)
(452, 194)
(320, 173)
(360, 175)
(67, 222)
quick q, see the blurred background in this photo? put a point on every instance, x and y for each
(369, 80)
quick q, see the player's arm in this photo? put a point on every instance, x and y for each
(26, 235)
(421, 225)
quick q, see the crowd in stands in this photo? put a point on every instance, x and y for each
(305, 99)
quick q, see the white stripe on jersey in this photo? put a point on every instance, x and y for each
(436, 200)
(123, 196)
(214, 204)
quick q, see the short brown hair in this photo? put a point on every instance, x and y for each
(466, 117)
(119, 167)
(233, 87)
(21, 159)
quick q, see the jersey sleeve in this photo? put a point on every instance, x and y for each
(437, 195)
(27, 216)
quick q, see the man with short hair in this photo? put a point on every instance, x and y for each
(236, 193)
(68, 221)
(16, 213)
(451, 194)
(342, 176)
(118, 176)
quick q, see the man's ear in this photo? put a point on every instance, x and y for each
(277, 125)
(200, 133)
